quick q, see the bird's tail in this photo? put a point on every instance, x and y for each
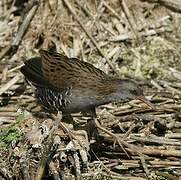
(33, 72)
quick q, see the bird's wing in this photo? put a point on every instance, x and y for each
(62, 71)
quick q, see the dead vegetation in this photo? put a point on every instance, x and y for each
(137, 39)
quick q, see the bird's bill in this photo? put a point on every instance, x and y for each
(146, 101)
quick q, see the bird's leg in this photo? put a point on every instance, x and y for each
(91, 127)
(115, 137)
(67, 118)
(71, 134)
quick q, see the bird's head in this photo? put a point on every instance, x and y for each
(128, 90)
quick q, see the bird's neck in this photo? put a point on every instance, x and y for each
(111, 90)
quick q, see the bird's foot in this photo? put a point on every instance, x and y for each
(91, 129)
(116, 139)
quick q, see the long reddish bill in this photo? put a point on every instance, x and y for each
(143, 99)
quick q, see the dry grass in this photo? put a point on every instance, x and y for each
(149, 52)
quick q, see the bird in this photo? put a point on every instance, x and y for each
(71, 85)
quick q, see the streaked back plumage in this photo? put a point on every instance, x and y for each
(72, 85)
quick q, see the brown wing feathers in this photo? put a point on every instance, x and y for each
(61, 71)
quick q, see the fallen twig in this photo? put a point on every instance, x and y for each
(12, 48)
(172, 4)
(89, 35)
(9, 84)
(130, 19)
(45, 155)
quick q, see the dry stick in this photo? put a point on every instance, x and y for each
(174, 4)
(44, 160)
(43, 163)
(102, 164)
(90, 37)
(12, 48)
(165, 175)
(152, 163)
(130, 19)
(160, 152)
(77, 166)
(10, 9)
(112, 11)
(173, 135)
(155, 84)
(130, 147)
(171, 89)
(9, 84)
(86, 11)
(24, 168)
(127, 36)
(157, 141)
(175, 73)
(15, 68)
(71, 135)
(128, 177)
(54, 171)
(45, 155)
(4, 170)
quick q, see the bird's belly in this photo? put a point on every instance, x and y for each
(83, 102)
(66, 102)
